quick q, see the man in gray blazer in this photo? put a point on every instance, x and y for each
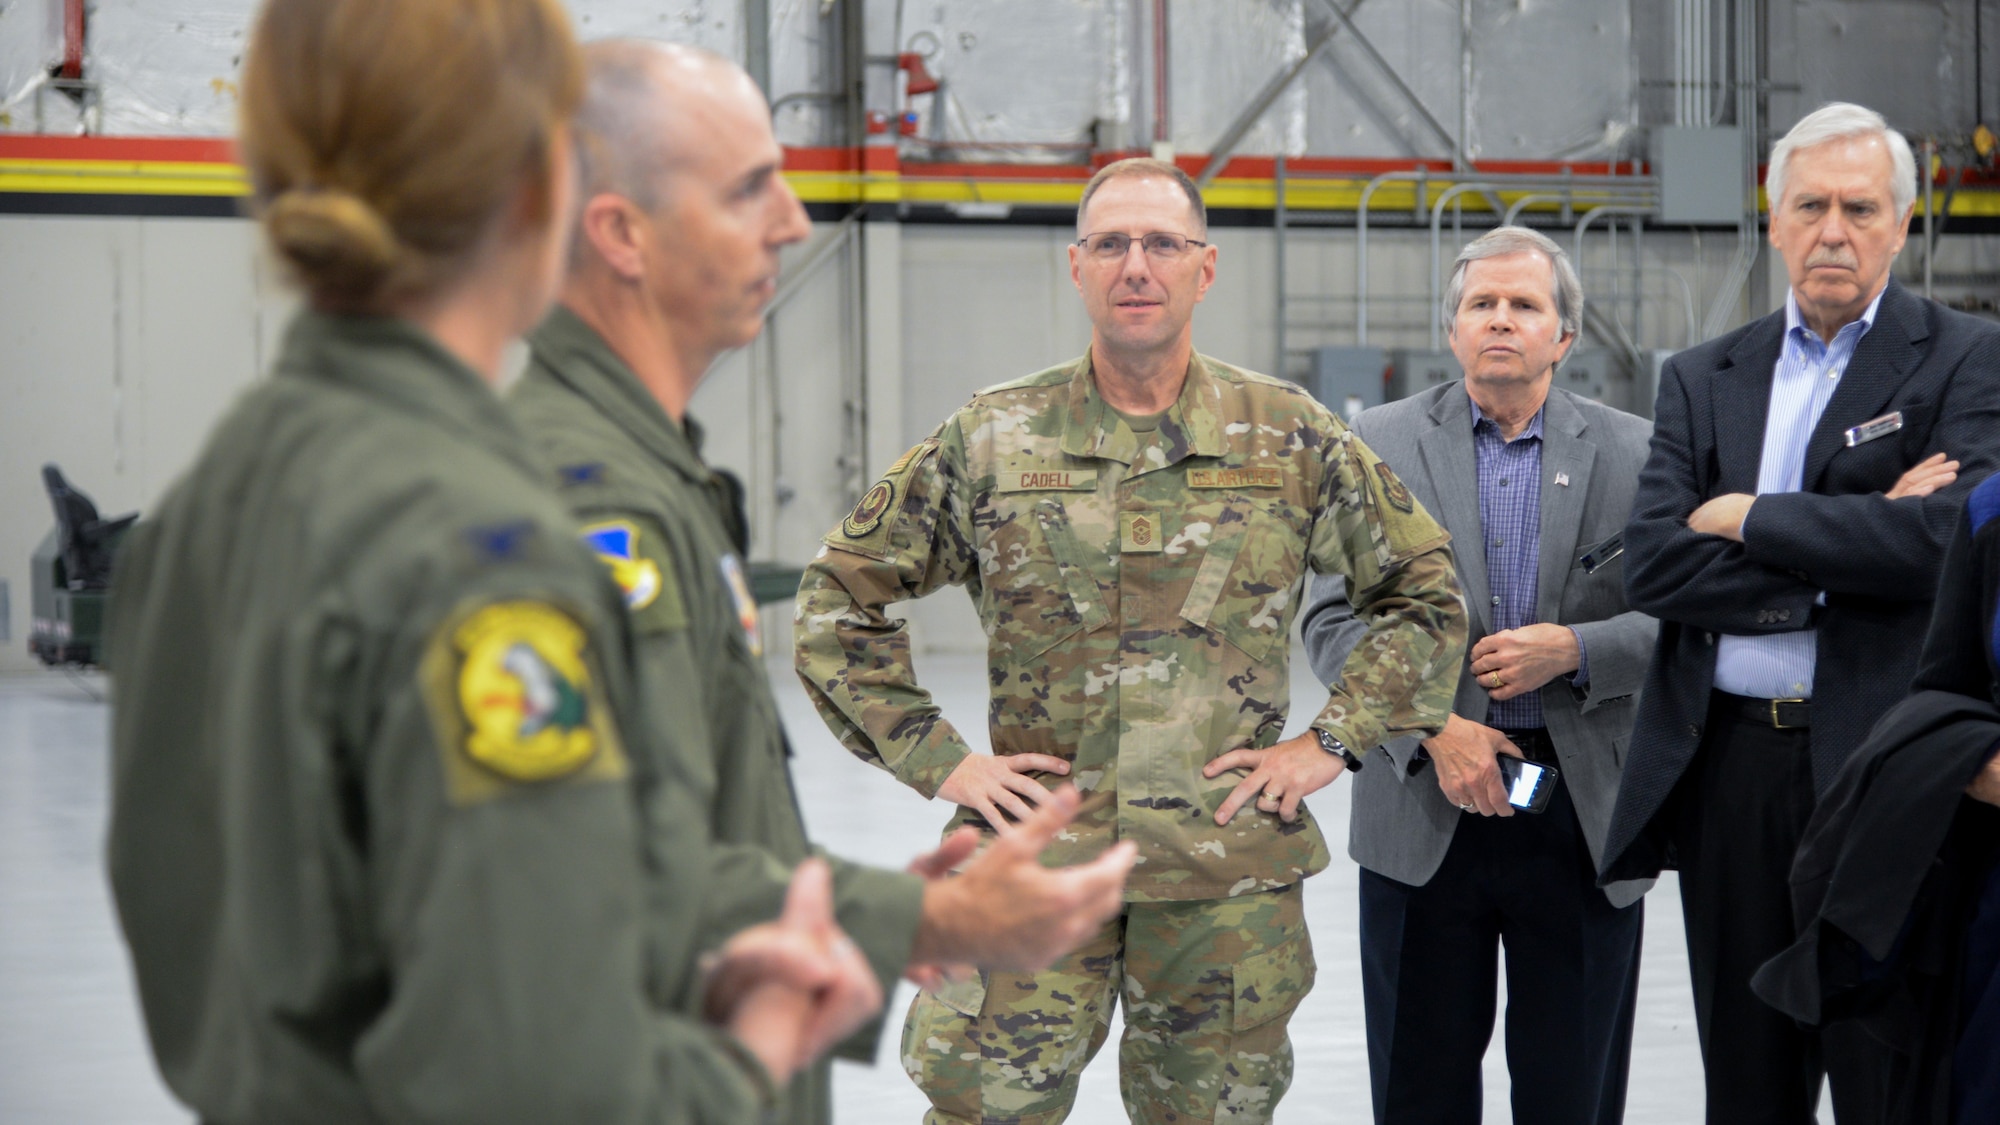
(1542, 482)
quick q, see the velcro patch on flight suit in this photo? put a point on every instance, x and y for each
(868, 527)
(634, 550)
(513, 701)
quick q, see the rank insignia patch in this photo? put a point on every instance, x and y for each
(524, 691)
(1139, 533)
(616, 543)
(1393, 489)
(867, 515)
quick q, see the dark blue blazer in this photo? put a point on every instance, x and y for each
(1876, 559)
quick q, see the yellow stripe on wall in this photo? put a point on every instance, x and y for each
(113, 177)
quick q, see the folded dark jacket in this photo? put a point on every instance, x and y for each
(1873, 843)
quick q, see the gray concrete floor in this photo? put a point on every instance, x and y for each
(72, 1051)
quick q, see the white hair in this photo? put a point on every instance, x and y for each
(1837, 121)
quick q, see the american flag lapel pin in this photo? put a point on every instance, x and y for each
(1562, 479)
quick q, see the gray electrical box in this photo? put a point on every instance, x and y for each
(1592, 373)
(1348, 380)
(1700, 173)
(1413, 370)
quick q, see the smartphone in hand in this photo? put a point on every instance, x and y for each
(1529, 784)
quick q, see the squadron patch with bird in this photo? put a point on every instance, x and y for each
(511, 692)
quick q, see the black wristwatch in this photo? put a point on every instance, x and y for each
(1332, 745)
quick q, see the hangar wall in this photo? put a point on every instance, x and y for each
(123, 338)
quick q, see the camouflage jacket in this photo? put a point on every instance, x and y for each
(1137, 591)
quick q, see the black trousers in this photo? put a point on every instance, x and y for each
(1428, 972)
(1737, 824)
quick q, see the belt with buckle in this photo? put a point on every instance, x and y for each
(1778, 714)
(1533, 743)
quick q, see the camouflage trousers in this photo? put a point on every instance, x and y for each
(1209, 987)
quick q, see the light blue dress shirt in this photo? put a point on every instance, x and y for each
(1780, 665)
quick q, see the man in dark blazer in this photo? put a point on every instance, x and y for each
(1535, 486)
(1787, 533)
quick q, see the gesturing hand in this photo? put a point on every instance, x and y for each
(1006, 911)
(789, 990)
(1463, 754)
(1517, 661)
(1280, 777)
(997, 786)
(1924, 477)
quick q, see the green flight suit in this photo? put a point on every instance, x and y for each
(1137, 590)
(660, 519)
(386, 841)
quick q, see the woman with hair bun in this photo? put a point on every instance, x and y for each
(379, 844)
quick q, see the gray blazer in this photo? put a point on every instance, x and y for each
(1402, 822)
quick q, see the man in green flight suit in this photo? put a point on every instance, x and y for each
(1135, 527)
(674, 261)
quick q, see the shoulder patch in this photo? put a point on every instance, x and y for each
(1393, 489)
(635, 552)
(866, 529)
(867, 514)
(514, 702)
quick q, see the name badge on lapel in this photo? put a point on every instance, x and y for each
(1874, 428)
(1598, 554)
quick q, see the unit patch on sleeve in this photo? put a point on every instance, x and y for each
(512, 697)
(868, 527)
(867, 515)
(635, 554)
(1393, 489)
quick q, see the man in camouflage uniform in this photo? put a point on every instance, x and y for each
(678, 239)
(1135, 528)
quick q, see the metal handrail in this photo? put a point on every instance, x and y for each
(1437, 236)
(1422, 176)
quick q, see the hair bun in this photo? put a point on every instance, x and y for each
(341, 247)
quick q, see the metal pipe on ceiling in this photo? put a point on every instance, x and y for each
(1462, 152)
(73, 40)
(1278, 222)
(1162, 61)
(1744, 96)
(1929, 174)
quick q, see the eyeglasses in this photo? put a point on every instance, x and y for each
(1113, 245)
